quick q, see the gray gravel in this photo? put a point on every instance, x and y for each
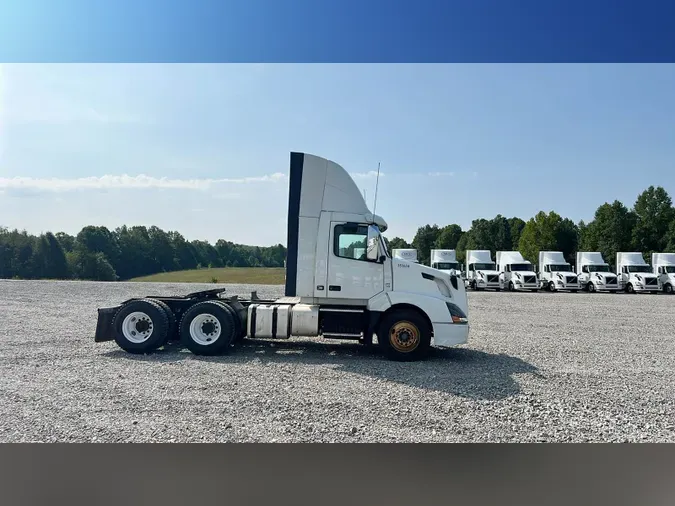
(539, 367)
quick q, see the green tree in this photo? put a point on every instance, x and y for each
(516, 226)
(653, 215)
(398, 243)
(424, 242)
(548, 232)
(449, 237)
(610, 231)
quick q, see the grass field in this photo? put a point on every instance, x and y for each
(237, 275)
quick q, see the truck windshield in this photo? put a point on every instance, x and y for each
(561, 268)
(521, 267)
(639, 268)
(446, 266)
(484, 267)
(670, 269)
(599, 268)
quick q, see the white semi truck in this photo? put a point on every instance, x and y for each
(595, 275)
(481, 271)
(516, 273)
(409, 254)
(407, 306)
(635, 275)
(663, 265)
(555, 273)
(445, 260)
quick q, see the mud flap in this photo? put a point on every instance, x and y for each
(104, 326)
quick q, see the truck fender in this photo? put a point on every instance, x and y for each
(433, 309)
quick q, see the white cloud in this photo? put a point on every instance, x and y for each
(366, 175)
(110, 182)
(441, 174)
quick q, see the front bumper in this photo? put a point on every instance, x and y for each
(482, 284)
(447, 335)
(526, 286)
(643, 288)
(607, 288)
(104, 325)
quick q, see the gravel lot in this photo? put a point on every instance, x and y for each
(539, 367)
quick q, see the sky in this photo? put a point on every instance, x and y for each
(204, 148)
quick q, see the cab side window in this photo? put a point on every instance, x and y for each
(349, 241)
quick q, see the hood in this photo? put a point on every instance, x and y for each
(487, 272)
(524, 273)
(604, 275)
(642, 275)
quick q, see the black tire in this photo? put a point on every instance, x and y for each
(409, 322)
(154, 320)
(221, 323)
(173, 328)
(668, 288)
(473, 284)
(629, 288)
(591, 287)
(551, 286)
(239, 331)
(511, 288)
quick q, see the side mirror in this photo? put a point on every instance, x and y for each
(372, 248)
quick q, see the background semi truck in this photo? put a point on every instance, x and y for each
(555, 273)
(663, 266)
(407, 306)
(635, 275)
(594, 273)
(481, 271)
(445, 260)
(409, 254)
(516, 273)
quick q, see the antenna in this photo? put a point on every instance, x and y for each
(377, 182)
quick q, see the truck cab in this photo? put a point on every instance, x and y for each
(635, 275)
(663, 266)
(329, 291)
(445, 260)
(595, 275)
(481, 271)
(555, 273)
(516, 273)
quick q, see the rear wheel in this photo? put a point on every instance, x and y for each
(141, 326)
(404, 336)
(208, 328)
(173, 330)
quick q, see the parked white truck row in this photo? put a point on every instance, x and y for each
(553, 273)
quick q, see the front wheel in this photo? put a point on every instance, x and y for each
(511, 287)
(629, 288)
(668, 288)
(404, 336)
(591, 287)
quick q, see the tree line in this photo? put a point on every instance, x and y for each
(649, 226)
(97, 253)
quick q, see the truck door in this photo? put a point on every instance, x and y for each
(350, 274)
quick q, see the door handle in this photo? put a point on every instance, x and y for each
(334, 288)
